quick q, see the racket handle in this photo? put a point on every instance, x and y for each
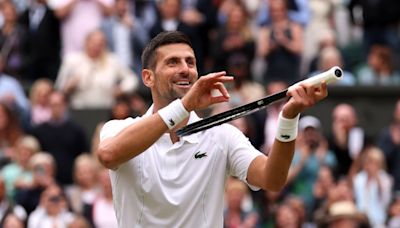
(329, 76)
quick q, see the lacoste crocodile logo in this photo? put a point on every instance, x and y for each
(285, 136)
(199, 155)
(171, 122)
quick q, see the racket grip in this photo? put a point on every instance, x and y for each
(329, 76)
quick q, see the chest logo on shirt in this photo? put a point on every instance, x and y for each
(199, 155)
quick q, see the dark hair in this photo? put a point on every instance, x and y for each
(163, 38)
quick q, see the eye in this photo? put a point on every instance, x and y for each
(172, 62)
(191, 62)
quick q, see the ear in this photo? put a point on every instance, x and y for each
(148, 77)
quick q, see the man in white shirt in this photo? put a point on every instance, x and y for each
(161, 180)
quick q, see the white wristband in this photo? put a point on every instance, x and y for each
(173, 113)
(287, 128)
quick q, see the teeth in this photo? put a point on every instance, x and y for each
(182, 83)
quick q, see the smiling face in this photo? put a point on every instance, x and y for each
(173, 74)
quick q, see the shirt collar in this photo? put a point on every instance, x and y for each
(192, 138)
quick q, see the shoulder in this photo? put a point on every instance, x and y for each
(113, 127)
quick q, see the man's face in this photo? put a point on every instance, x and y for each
(175, 72)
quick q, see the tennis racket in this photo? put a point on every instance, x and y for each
(329, 76)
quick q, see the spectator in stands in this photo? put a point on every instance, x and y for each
(43, 168)
(125, 34)
(272, 113)
(373, 187)
(298, 11)
(281, 44)
(394, 212)
(39, 97)
(322, 187)
(94, 77)
(10, 132)
(234, 215)
(52, 210)
(78, 19)
(342, 214)
(79, 222)
(170, 19)
(103, 208)
(83, 193)
(389, 142)
(321, 20)
(18, 174)
(235, 42)
(286, 216)
(43, 37)
(379, 69)
(346, 138)
(330, 57)
(8, 207)
(12, 93)
(13, 43)
(377, 27)
(13, 221)
(311, 154)
(61, 137)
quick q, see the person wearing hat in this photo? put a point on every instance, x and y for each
(311, 153)
(344, 214)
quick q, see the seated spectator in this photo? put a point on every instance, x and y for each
(39, 97)
(79, 222)
(52, 210)
(394, 212)
(325, 182)
(44, 41)
(389, 142)
(103, 208)
(234, 215)
(346, 138)
(330, 57)
(281, 44)
(10, 132)
(286, 216)
(379, 68)
(373, 186)
(13, 43)
(13, 221)
(235, 43)
(61, 137)
(78, 19)
(94, 78)
(83, 193)
(18, 173)
(126, 35)
(311, 154)
(7, 207)
(344, 214)
(43, 167)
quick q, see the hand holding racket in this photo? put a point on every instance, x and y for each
(332, 75)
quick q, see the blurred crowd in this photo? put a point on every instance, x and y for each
(58, 55)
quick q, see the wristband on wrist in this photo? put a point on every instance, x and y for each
(287, 128)
(173, 113)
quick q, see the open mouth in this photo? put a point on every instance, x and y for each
(183, 84)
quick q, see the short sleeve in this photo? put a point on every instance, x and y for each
(113, 127)
(240, 154)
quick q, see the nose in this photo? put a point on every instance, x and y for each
(184, 68)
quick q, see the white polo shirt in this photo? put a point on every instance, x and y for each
(181, 184)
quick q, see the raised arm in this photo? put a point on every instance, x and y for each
(136, 138)
(270, 173)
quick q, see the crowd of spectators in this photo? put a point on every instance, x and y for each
(57, 55)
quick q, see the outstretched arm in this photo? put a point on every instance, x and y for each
(270, 172)
(137, 137)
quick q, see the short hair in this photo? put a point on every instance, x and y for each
(162, 39)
